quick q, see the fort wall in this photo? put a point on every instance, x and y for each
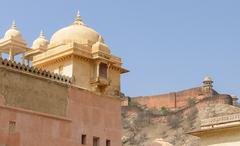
(178, 100)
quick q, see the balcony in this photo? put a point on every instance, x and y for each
(100, 81)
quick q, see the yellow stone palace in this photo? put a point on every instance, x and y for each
(76, 51)
(65, 91)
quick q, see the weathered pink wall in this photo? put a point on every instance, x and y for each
(175, 99)
(87, 113)
(95, 116)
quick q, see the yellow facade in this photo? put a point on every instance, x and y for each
(221, 137)
(76, 51)
(220, 131)
(80, 52)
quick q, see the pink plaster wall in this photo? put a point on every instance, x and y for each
(87, 113)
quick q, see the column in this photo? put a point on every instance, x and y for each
(28, 62)
(108, 67)
(23, 57)
(11, 56)
(98, 63)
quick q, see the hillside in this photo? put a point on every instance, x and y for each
(141, 125)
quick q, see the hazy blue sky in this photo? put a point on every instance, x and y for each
(168, 45)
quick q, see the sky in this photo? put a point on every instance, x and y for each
(168, 45)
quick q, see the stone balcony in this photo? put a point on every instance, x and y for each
(100, 81)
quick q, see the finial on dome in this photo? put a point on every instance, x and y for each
(14, 26)
(42, 35)
(78, 19)
(100, 39)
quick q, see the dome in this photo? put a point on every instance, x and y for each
(207, 79)
(40, 42)
(13, 33)
(77, 32)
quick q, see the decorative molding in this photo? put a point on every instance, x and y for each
(82, 58)
(220, 120)
(115, 68)
(58, 60)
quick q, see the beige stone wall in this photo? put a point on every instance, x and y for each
(114, 87)
(31, 92)
(67, 67)
(83, 71)
(227, 137)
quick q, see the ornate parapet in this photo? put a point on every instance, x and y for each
(35, 71)
(220, 121)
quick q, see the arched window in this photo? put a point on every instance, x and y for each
(103, 70)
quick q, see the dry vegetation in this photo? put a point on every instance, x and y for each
(143, 125)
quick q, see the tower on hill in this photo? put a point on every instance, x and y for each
(207, 84)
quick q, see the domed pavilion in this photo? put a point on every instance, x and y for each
(77, 51)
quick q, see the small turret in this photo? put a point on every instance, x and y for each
(234, 100)
(13, 43)
(41, 42)
(207, 84)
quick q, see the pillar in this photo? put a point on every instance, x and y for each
(28, 62)
(11, 55)
(23, 57)
(108, 67)
(98, 64)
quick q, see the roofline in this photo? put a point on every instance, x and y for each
(213, 130)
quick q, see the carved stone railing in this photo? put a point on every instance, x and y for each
(34, 71)
(220, 120)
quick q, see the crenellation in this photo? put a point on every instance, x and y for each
(34, 70)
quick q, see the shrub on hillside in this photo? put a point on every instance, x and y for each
(191, 101)
(143, 119)
(133, 104)
(163, 111)
(191, 116)
(174, 121)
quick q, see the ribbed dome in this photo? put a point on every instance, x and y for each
(13, 33)
(77, 32)
(41, 42)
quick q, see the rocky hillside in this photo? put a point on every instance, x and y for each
(142, 125)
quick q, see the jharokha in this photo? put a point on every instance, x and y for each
(65, 91)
